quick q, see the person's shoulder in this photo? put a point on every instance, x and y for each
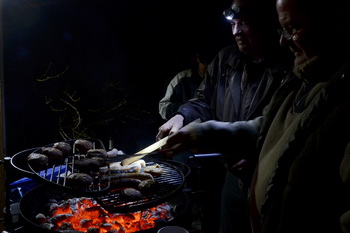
(183, 74)
(228, 54)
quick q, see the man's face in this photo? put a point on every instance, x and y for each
(300, 33)
(246, 35)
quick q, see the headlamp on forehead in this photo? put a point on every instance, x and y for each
(232, 13)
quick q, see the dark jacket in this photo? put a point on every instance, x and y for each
(309, 189)
(219, 97)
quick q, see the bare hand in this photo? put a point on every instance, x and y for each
(170, 127)
(182, 140)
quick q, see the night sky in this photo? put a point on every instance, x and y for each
(111, 59)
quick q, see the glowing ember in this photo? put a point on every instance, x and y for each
(86, 215)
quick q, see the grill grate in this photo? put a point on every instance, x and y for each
(58, 171)
(168, 184)
(57, 174)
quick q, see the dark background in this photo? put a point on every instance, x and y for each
(113, 57)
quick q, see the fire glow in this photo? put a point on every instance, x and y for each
(86, 215)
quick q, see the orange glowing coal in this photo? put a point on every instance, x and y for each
(86, 215)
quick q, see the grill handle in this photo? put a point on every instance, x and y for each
(209, 155)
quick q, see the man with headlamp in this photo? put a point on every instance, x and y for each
(238, 84)
(235, 12)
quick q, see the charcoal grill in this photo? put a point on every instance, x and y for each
(35, 200)
(170, 188)
(167, 185)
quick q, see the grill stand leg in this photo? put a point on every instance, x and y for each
(8, 214)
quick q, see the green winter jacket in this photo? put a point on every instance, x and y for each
(309, 187)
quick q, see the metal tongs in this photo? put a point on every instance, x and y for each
(144, 152)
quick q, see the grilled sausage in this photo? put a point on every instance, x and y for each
(147, 186)
(134, 167)
(155, 170)
(125, 183)
(141, 176)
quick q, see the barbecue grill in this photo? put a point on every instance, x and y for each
(169, 187)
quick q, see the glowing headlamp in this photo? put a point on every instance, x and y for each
(232, 13)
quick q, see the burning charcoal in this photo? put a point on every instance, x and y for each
(113, 231)
(52, 153)
(91, 164)
(106, 226)
(52, 200)
(97, 153)
(93, 222)
(38, 161)
(52, 207)
(66, 206)
(79, 180)
(130, 193)
(94, 208)
(128, 217)
(70, 231)
(66, 226)
(164, 208)
(40, 218)
(83, 145)
(47, 226)
(119, 225)
(85, 223)
(65, 147)
(93, 230)
(98, 209)
(147, 186)
(60, 217)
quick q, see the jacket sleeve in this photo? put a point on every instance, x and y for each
(238, 138)
(170, 103)
(345, 175)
